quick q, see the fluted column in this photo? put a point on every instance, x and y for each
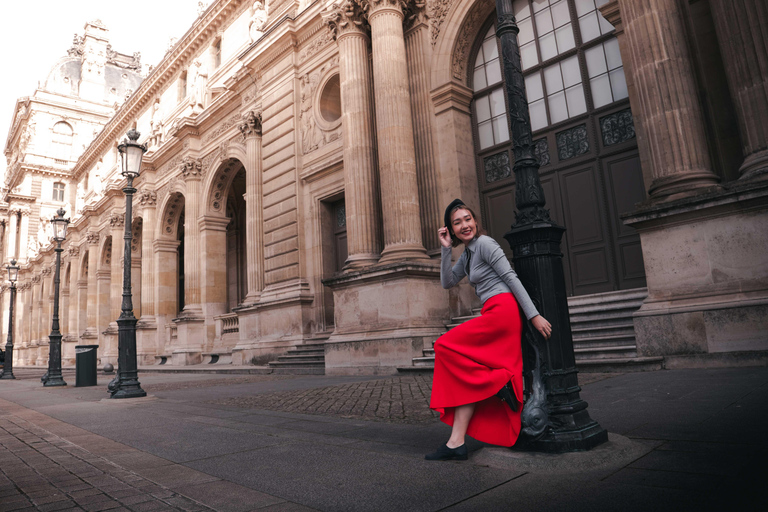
(663, 74)
(191, 170)
(418, 52)
(23, 257)
(254, 209)
(394, 124)
(148, 201)
(361, 192)
(92, 319)
(742, 32)
(10, 235)
(117, 222)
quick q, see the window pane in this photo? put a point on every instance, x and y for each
(539, 5)
(478, 79)
(497, 102)
(605, 27)
(526, 32)
(595, 61)
(560, 13)
(601, 91)
(533, 88)
(553, 79)
(544, 22)
(618, 84)
(590, 29)
(612, 53)
(490, 50)
(576, 103)
(571, 71)
(584, 6)
(501, 129)
(558, 110)
(565, 40)
(493, 71)
(548, 46)
(528, 55)
(521, 9)
(491, 32)
(479, 61)
(538, 115)
(486, 134)
(483, 109)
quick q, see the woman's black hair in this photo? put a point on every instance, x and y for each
(456, 205)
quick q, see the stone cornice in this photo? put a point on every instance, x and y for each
(203, 30)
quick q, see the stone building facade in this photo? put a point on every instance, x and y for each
(300, 154)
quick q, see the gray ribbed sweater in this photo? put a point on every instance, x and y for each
(489, 273)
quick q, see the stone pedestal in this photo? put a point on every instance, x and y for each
(672, 120)
(707, 272)
(384, 317)
(743, 38)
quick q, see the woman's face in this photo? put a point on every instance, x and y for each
(464, 225)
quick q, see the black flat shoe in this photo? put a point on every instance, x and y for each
(445, 453)
(507, 395)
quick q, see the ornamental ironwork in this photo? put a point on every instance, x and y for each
(541, 150)
(341, 216)
(572, 142)
(617, 127)
(497, 167)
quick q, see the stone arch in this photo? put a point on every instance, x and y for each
(105, 252)
(217, 188)
(171, 210)
(136, 234)
(84, 266)
(453, 46)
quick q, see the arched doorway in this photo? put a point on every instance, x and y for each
(237, 283)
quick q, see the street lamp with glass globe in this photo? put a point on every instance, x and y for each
(126, 383)
(13, 276)
(54, 377)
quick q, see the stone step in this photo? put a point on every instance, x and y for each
(635, 294)
(424, 361)
(287, 370)
(296, 364)
(301, 358)
(600, 341)
(602, 329)
(604, 353)
(620, 365)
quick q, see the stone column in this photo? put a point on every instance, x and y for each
(74, 306)
(394, 124)
(23, 257)
(419, 52)
(92, 328)
(191, 170)
(254, 211)
(361, 193)
(10, 238)
(742, 32)
(612, 14)
(46, 316)
(166, 256)
(148, 201)
(673, 122)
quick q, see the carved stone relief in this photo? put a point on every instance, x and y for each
(251, 124)
(191, 168)
(477, 15)
(312, 135)
(147, 197)
(438, 10)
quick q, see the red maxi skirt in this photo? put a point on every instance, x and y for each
(472, 363)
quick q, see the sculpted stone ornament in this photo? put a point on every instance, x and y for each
(258, 21)
(148, 197)
(344, 17)
(74, 250)
(191, 167)
(199, 83)
(92, 238)
(251, 124)
(117, 221)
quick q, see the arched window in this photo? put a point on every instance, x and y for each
(182, 90)
(216, 50)
(62, 141)
(577, 99)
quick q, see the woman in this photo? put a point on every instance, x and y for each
(478, 379)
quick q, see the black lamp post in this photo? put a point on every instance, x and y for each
(54, 377)
(555, 418)
(126, 383)
(13, 276)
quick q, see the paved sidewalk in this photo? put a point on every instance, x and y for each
(680, 440)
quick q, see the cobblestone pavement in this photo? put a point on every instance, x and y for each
(401, 399)
(206, 383)
(41, 471)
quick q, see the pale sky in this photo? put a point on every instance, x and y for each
(34, 34)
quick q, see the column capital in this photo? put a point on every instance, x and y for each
(148, 197)
(191, 168)
(346, 17)
(73, 250)
(117, 220)
(251, 125)
(92, 238)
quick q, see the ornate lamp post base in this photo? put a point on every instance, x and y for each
(127, 381)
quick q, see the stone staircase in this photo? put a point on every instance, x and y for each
(306, 359)
(603, 334)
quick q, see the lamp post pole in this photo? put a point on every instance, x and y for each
(54, 376)
(13, 272)
(126, 384)
(556, 414)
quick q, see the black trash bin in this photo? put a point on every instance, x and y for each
(85, 365)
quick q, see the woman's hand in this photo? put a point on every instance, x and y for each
(445, 237)
(541, 325)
